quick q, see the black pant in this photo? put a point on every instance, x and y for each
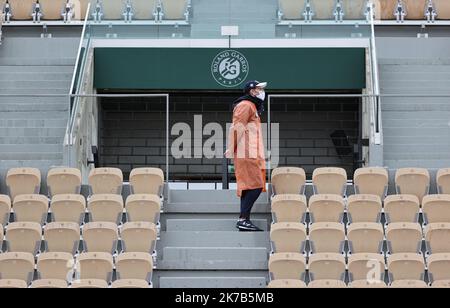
(248, 199)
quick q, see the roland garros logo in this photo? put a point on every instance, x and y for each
(230, 68)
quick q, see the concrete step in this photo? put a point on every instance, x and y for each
(32, 156)
(214, 258)
(25, 61)
(30, 69)
(34, 148)
(62, 106)
(33, 100)
(233, 279)
(17, 115)
(209, 224)
(418, 83)
(414, 76)
(32, 132)
(56, 123)
(213, 207)
(212, 239)
(28, 140)
(34, 84)
(208, 195)
(39, 91)
(8, 76)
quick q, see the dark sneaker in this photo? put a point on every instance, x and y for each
(246, 225)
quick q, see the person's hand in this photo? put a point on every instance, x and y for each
(228, 154)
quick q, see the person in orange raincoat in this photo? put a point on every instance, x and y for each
(245, 146)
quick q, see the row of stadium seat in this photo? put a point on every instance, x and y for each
(362, 266)
(65, 180)
(330, 283)
(356, 9)
(110, 9)
(369, 180)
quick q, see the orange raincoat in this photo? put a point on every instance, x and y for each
(245, 145)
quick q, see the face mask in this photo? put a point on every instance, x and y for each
(261, 95)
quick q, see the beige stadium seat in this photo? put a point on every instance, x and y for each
(12, 284)
(106, 207)
(5, 209)
(23, 181)
(144, 9)
(287, 266)
(49, 284)
(52, 9)
(174, 9)
(21, 9)
(412, 181)
(286, 284)
(100, 237)
(63, 181)
(288, 237)
(291, 9)
(364, 208)
(443, 177)
(288, 208)
(330, 181)
(324, 9)
(134, 265)
(147, 181)
(354, 9)
(55, 265)
(404, 237)
(371, 181)
(367, 267)
(408, 284)
(326, 266)
(68, 208)
(1, 237)
(17, 265)
(415, 9)
(437, 237)
(410, 266)
(24, 237)
(327, 283)
(111, 9)
(365, 237)
(94, 265)
(326, 208)
(441, 284)
(143, 207)
(130, 284)
(138, 237)
(439, 266)
(288, 180)
(327, 237)
(366, 284)
(80, 8)
(401, 208)
(62, 237)
(442, 8)
(384, 9)
(89, 284)
(106, 181)
(31, 208)
(436, 208)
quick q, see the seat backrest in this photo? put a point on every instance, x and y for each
(292, 9)
(61, 236)
(442, 8)
(365, 237)
(327, 236)
(89, 284)
(402, 208)
(12, 284)
(68, 208)
(23, 180)
(366, 266)
(5, 209)
(139, 236)
(288, 207)
(21, 9)
(31, 208)
(100, 236)
(106, 207)
(173, 9)
(326, 266)
(439, 266)
(415, 9)
(437, 235)
(287, 236)
(326, 207)
(326, 283)
(52, 9)
(287, 265)
(371, 180)
(443, 180)
(94, 265)
(364, 208)
(412, 181)
(354, 9)
(408, 284)
(286, 284)
(436, 208)
(364, 284)
(24, 236)
(143, 207)
(64, 181)
(106, 180)
(406, 266)
(134, 265)
(288, 180)
(55, 265)
(147, 180)
(404, 236)
(49, 284)
(129, 284)
(324, 9)
(329, 180)
(111, 9)
(16, 265)
(80, 8)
